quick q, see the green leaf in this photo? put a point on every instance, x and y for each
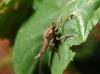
(78, 18)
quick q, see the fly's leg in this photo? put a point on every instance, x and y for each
(55, 44)
(58, 40)
(64, 37)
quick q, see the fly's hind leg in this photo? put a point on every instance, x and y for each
(57, 51)
(54, 46)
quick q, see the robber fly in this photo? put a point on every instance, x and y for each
(49, 36)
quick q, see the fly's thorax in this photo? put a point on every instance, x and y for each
(50, 32)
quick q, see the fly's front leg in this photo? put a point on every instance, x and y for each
(64, 37)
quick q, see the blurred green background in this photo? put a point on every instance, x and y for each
(86, 61)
